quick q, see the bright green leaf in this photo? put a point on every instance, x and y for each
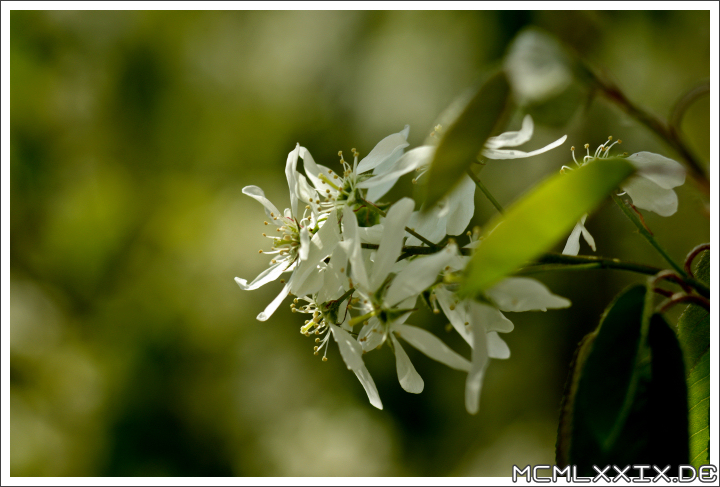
(694, 324)
(540, 219)
(465, 137)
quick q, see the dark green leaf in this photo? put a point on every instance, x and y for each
(694, 334)
(626, 399)
(540, 219)
(465, 137)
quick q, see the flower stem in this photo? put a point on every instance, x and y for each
(648, 236)
(485, 191)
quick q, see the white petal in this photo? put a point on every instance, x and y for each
(537, 67)
(369, 385)
(292, 174)
(649, 196)
(257, 194)
(492, 319)
(478, 363)
(392, 240)
(370, 339)
(274, 304)
(335, 281)
(513, 139)
(384, 149)
(458, 315)
(462, 206)
(321, 245)
(304, 243)
(572, 246)
(350, 350)
(661, 170)
(410, 380)
(371, 235)
(431, 346)
(351, 244)
(411, 160)
(268, 275)
(314, 170)
(418, 275)
(309, 279)
(524, 294)
(497, 348)
(516, 154)
(430, 225)
(586, 235)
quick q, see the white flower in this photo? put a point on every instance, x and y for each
(479, 323)
(387, 306)
(300, 245)
(650, 188)
(339, 190)
(537, 67)
(453, 213)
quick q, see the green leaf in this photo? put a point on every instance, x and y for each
(694, 334)
(601, 383)
(698, 381)
(626, 400)
(465, 137)
(540, 219)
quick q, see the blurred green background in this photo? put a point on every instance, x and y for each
(133, 352)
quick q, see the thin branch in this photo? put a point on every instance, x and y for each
(485, 191)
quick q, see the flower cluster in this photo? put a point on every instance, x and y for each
(358, 267)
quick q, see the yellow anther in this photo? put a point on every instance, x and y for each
(587, 146)
(349, 306)
(315, 353)
(317, 340)
(327, 191)
(315, 347)
(619, 141)
(452, 307)
(324, 359)
(340, 153)
(436, 311)
(342, 269)
(329, 171)
(282, 281)
(259, 251)
(366, 322)
(468, 233)
(266, 223)
(572, 148)
(273, 261)
(610, 138)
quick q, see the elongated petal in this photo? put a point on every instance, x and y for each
(392, 240)
(257, 194)
(313, 170)
(586, 235)
(462, 206)
(350, 350)
(431, 346)
(497, 348)
(661, 170)
(513, 139)
(430, 225)
(268, 275)
(274, 304)
(371, 235)
(524, 294)
(371, 335)
(455, 311)
(369, 385)
(313, 276)
(304, 249)
(335, 281)
(410, 380)
(384, 149)
(321, 245)
(292, 174)
(418, 275)
(516, 154)
(572, 246)
(647, 195)
(492, 319)
(410, 161)
(351, 244)
(478, 363)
